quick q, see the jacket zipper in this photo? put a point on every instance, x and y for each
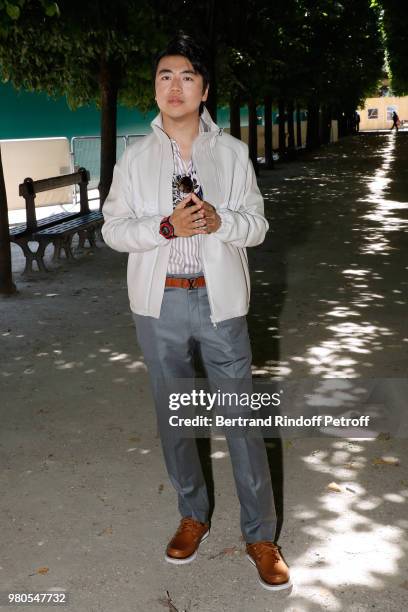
(211, 146)
(155, 261)
(160, 178)
(215, 161)
(202, 251)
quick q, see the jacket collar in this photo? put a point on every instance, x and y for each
(206, 123)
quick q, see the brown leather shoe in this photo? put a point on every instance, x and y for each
(272, 569)
(188, 537)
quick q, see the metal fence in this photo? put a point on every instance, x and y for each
(86, 152)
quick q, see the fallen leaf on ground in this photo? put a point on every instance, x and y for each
(333, 486)
(383, 435)
(225, 551)
(43, 570)
(167, 602)
(385, 461)
(106, 531)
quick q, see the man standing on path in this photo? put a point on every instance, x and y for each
(184, 203)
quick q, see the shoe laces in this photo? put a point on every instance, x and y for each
(262, 548)
(189, 524)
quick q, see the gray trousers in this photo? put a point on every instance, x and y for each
(168, 345)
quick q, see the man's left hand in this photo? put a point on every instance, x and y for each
(211, 217)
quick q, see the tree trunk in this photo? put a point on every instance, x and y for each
(7, 287)
(268, 133)
(282, 128)
(350, 121)
(253, 134)
(326, 124)
(291, 131)
(109, 100)
(312, 136)
(341, 127)
(235, 116)
(211, 102)
(298, 127)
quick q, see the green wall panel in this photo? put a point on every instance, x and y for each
(33, 115)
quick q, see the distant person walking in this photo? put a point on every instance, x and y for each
(357, 120)
(395, 121)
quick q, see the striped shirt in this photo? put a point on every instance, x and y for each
(185, 252)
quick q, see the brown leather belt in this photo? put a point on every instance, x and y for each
(186, 283)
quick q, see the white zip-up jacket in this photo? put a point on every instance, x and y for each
(141, 195)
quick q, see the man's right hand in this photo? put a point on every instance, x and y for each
(188, 220)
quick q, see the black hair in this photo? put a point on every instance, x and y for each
(196, 53)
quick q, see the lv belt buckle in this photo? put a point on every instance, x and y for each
(191, 283)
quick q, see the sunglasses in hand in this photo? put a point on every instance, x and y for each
(185, 185)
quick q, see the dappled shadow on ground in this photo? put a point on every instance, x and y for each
(329, 296)
(348, 507)
(78, 442)
(336, 239)
(79, 438)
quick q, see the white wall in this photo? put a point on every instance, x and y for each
(38, 158)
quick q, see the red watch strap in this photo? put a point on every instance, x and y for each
(167, 228)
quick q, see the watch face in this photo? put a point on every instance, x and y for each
(166, 229)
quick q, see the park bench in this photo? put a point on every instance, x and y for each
(58, 229)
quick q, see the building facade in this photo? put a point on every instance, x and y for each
(377, 112)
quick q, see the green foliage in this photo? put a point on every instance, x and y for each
(13, 10)
(63, 48)
(9, 10)
(395, 31)
(331, 50)
(325, 50)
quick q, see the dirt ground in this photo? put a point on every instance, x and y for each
(86, 506)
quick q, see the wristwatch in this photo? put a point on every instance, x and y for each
(167, 228)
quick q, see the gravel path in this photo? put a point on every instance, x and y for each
(85, 502)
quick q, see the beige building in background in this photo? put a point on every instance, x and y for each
(275, 135)
(377, 112)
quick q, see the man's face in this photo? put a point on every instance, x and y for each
(179, 89)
